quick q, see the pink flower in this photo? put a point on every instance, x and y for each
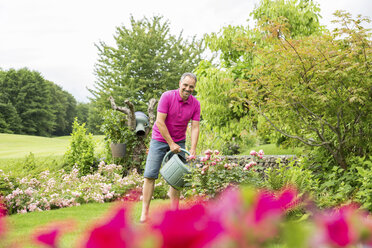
(252, 163)
(337, 227)
(261, 152)
(48, 238)
(213, 163)
(216, 152)
(338, 231)
(203, 159)
(188, 228)
(191, 157)
(115, 233)
(269, 205)
(208, 152)
(253, 153)
(3, 210)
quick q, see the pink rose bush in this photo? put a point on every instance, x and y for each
(213, 174)
(62, 189)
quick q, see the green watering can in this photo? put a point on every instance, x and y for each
(174, 170)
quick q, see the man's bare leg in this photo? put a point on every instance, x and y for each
(147, 191)
(174, 197)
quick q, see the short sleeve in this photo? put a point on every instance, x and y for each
(163, 105)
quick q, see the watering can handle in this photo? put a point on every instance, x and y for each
(166, 155)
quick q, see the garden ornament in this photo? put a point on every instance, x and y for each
(142, 122)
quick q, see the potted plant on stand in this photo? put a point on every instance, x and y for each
(117, 133)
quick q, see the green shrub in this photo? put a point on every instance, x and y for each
(339, 186)
(161, 189)
(81, 149)
(291, 174)
(364, 195)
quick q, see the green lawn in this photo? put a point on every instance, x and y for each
(14, 148)
(18, 146)
(80, 218)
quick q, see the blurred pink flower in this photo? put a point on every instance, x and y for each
(3, 209)
(208, 152)
(191, 157)
(203, 159)
(253, 153)
(188, 228)
(216, 152)
(48, 238)
(269, 205)
(337, 227)
(115, 233)
(288, 198)
(261, 152)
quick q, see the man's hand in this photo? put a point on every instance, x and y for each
(175, 148)
(192, 152)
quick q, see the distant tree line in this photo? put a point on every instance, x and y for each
(30, 104)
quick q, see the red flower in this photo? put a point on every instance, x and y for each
(114, 233)
(48, 238)
(188, 228)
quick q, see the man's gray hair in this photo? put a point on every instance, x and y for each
(189, 74)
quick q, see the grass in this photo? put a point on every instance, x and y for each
(48, 152)
(272, 149)
(79, 219)
(18, 146)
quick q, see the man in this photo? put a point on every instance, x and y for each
(175, 109)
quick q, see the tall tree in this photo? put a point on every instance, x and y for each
(29, 104)
(63, 105)
(9, 119)
(302, 16)
(316, 89)
(236, 61)
(146, 61)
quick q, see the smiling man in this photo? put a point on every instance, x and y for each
(176, 109)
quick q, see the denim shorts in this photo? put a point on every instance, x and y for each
(155, 157)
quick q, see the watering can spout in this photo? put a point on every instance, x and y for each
(140, 129)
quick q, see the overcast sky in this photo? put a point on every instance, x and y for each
(57, 37)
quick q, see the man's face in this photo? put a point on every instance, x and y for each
(187, 86)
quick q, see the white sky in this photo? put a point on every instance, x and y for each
(57, 37)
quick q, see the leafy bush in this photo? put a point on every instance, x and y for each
(81, 149)
(291, 174)
(161, 189)
(364, 194)
(337, 186)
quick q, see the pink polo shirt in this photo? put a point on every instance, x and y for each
(179, 113)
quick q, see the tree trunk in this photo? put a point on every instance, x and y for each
(137, 151)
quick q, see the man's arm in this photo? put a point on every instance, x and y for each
(160, 123)
(194, 136)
